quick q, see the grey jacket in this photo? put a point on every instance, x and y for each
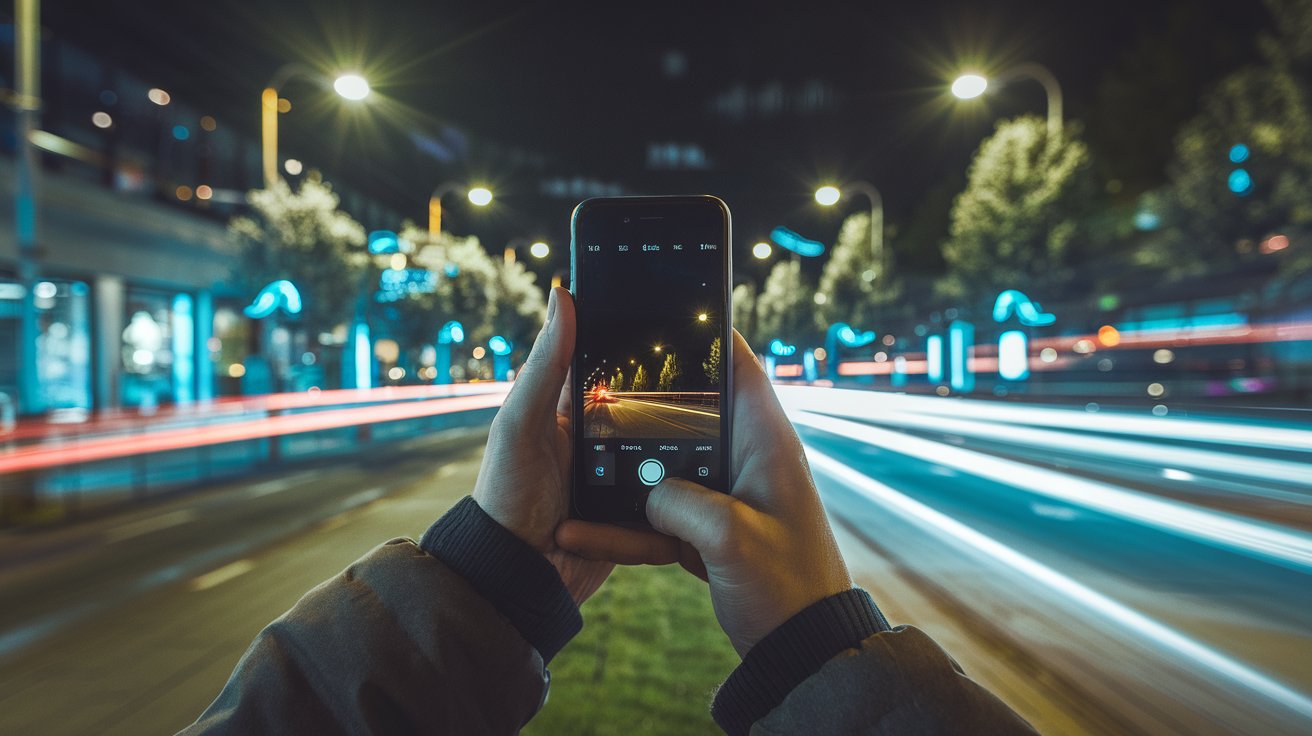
(403, 642)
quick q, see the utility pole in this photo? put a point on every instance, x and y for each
(27, 108)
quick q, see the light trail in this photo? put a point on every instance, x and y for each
(1263, 541)
(72, 452)
(1129, 621)
(1075, 420)
(673, 407)
(1110, 448)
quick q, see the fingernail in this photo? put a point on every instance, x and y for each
(551, 307)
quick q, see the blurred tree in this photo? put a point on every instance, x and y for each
(856, 288)
(744, 311)
(303, 237)
(712, 363)
(669, 376)
(617, 381)
(639, 380)
(1021, 220)
(1242, 169)
(784, 308)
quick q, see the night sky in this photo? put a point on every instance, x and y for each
(776, 98)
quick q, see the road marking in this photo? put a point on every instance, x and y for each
(360, 499)
(1263, 541)
(1131, 621)
(215, 578)
(147, 526)
(1060, 513)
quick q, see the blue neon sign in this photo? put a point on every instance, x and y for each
(778, 347)
(1028, 312)
(451, 332)
(790, 240)
(279, 294)
(499, 345)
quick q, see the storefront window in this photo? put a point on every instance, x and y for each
(147, 351)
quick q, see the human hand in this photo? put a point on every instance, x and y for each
(766, 549)
(524, 481)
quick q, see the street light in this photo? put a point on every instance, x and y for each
(536, 248)
(762, 250)
(350, 86)
(969, 86)
(478, 196)
(830, 195)
(539, 250)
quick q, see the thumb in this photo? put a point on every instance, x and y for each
(537, 387)
(694, 513)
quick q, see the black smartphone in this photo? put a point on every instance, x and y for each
(652, 282)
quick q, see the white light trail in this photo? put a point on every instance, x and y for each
(1264, 541)
(1132, 622)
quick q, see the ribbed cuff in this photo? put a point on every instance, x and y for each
(791, 653)
(514, 577)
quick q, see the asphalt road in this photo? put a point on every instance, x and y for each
(627, 417)
(1101, 573)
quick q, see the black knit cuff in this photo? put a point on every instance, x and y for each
(514, 577)
(791, 653)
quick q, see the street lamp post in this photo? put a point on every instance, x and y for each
(478, 196)
(27, 108)
(349, 86)
(539, 249)
(830, 195)
(968, 86)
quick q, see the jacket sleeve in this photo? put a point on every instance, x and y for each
(837, 667)
(405, 641)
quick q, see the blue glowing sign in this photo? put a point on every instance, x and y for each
(363, 355)
(1013, 356)
(1240, 182)
(850, 338)
(808, 365)
(790, 240)
(499, 345)
(1238, 153)
(778, 347)
(934, 357)
(281, 293)
(384, 241)
(1028, 312)
(451, 332)
(961, 337)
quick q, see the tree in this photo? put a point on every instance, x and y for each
(783, 310)
(1267, 109)
(856, 287)
(617, 381)
(744, 311)
(303, 237)
(712, 363)
(669, 376)
(639, 380)
(1021, 219)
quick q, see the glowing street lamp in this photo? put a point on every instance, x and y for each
(539, 250)
(349, 86)
(762, 251)
(970, 86)
(478, 196)
(830, 195)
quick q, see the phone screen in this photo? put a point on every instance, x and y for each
(651, 362)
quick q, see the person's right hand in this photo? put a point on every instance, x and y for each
(766, 550)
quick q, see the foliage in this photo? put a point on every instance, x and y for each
(744, 311)
(617, 381)
(670, 372)
(712, 363)
(640, 381)
(1021, 218)
(783, 309)
(1268, 108)
(855, 285)
(303, 237)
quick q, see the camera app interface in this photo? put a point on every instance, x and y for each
(651, 376)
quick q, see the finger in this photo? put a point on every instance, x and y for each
(537, 387)
(565, 404)
(763, 438)
(694, 513)
(617, 544)
(691, 560)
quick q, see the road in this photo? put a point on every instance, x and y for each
(1103, 573)
(628, 417)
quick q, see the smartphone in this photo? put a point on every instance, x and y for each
(651, 394)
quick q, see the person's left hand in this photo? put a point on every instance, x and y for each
(524, 482)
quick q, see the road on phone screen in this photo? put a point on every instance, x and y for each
(630, 417)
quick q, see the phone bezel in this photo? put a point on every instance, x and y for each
(633, 207)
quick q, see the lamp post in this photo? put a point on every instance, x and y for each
(969, 86)
(478, 196)
(830, 195)
(26, 101)
(539, 249)
(349, 86)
